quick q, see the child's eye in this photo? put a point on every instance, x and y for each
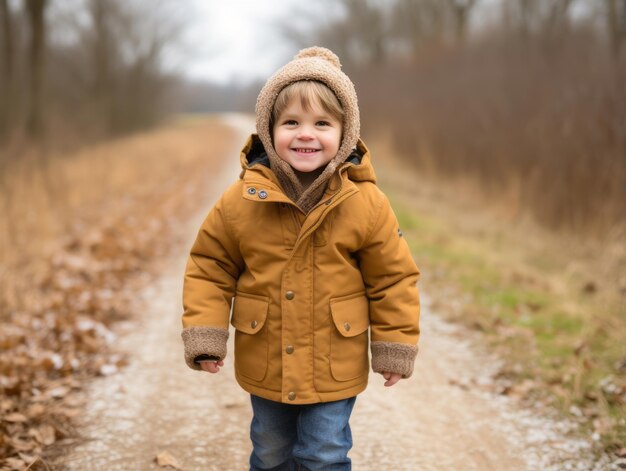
(323, 123)
(291, 122)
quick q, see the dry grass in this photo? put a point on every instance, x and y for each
(539, 125)
(47, 197)
(552, 305)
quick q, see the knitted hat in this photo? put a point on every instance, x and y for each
(317, 64)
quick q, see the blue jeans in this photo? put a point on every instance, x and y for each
(313, 437)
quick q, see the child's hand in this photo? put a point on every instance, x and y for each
(211, 366)
(392, 378)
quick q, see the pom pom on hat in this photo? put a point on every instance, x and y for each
(320, 52)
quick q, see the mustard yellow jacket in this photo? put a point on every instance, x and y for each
(307, 289)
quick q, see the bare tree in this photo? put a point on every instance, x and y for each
(103, 55)
(36, 19)
(421, 23)
(616, 22)
(358, 31)
(8, 72)
(557, 16)
(116, 61)
(143, 35)
(461, 10)
(370, 31)
(369, 28)
(537, 17)
(527, 15)
(96, 63)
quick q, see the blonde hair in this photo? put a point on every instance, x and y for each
(310, 93)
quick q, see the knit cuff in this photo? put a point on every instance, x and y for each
(204, 341)
(393, 357)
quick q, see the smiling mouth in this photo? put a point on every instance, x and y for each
(305, 151)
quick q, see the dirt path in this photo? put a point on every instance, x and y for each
(446, 417)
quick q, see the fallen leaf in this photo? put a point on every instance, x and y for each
(30, 459)
(462, 385)
(15, 463)
(22, 445)
(533, 306)
(74, 401)
(523, 389)
(165, 458)
(45, 435)
(35, 410)
(15, 417)
(582, 345)
(70, 413)
(59, 392)
(6, 404)
(233, 405)
(108, 370)
(590, 287)
(602, 425)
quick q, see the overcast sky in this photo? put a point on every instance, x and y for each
(239, 40)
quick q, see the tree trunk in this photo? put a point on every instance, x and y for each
(613, 26)
(621, 28)
(525, 17)
(558, 17)
(461, 11)
(36, 9)
(101, 50)
(7, 77)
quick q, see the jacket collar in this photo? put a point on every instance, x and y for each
(261, 185)
(254, 160)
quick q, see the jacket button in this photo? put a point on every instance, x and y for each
(290, 295)
(347, 326)
(289, 349)
(262, 194)
(253, 324)
(291, 396)
(251, 191)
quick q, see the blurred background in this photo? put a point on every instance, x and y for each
(109, 142)
(527, 97)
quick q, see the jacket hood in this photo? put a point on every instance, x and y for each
(311, 64)
(358, 164)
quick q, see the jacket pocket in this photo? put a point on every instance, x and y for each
(251, 345)
(349, 339)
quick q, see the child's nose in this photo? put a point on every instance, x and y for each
(305, 134)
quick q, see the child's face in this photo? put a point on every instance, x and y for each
(306, 140)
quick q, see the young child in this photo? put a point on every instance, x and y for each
(311, 251)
